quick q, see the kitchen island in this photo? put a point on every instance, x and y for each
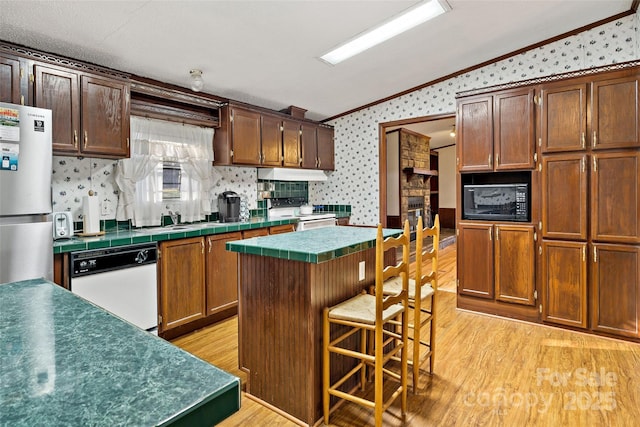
(68, 362)
(285, 282)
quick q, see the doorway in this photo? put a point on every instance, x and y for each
(442, 147)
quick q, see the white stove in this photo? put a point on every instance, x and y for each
(305, 222)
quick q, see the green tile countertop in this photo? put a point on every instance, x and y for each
(158, 234)
(313, 246)
(66, 362)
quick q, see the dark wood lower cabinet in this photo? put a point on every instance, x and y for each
(515, 264)
(616, 289)
(222, 273)
(182, 282)
(564, 283)
(475, 260)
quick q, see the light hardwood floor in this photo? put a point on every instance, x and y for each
(489, 371)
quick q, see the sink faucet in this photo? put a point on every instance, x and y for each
(174, 217)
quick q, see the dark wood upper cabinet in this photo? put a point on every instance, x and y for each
(564, 283)
(90, 113)
(326, 154)
(514, 129)
(564, 196)
(563, 117)
(475, 134)
(245, 136)
(10, 79)
(59, 91)
(105, 117)
(271, 147)
(615, 113)
(291, 135)
(254, 137)
(476, 277)
(616, 289)
(615, 196)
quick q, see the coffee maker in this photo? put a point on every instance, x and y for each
(229, 207)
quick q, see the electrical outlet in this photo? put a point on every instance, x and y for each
(361, 271)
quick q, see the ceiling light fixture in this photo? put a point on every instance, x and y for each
(408, 19)
(196, 80)
(452, 134)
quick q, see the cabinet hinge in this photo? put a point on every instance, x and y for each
(540, 142)
(584, 254)
(32, 78)
(457, 231)
(127, 143)
(231, 153)
(231, 118)
(300, 132)
(535, 157)
(535, 99)
(458, 283)
(457, 160)
(584, 165)
(21, 73)
(535, 236)
(539, 225)
(540, 309)
(595, 138)
(539, 167)
(582, 140)
(159, 319)
(282, 158)
(281, 128)
(498, 159)
(21, 99)
(595, 164)
(535, 294)
(539, 250)
(595, 254)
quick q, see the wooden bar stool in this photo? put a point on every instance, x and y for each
(368, 314)
(422, 298)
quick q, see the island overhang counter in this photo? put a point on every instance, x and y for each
(285, 281)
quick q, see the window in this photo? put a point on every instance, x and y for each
(171, 178)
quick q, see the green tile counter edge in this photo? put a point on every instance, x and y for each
(134, 236)
(312, 246)
(68, 362)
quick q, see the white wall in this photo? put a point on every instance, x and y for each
(447, 177)
(355, 180)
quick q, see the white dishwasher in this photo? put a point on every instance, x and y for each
(122, 280)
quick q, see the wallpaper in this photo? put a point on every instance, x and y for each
(355, 179)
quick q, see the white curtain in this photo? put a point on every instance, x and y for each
(139, 178)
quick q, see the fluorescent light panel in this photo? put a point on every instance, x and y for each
(412, 17)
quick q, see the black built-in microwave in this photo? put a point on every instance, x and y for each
(496, 202)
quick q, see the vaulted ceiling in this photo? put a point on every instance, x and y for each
(266, 52)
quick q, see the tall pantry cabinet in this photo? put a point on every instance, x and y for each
(589, 139)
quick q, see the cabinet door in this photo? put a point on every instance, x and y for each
(514, 125)
(616, 289)
(515, 264)
(475, 260)
(564, 283)
(105, 117)
(326, 159)
(271, 141)
(222, 273)
(615, 197)
(309, 146)
(475, 134)
(291, 144)
(58, 91)
(279, 229)
(10, 80)
(563, 117)
(245, 134)
(182, 282)
(614, 113)
(564, 196)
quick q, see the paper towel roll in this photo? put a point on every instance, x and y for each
(91, 214)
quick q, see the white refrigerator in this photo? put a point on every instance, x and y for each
(26, 229)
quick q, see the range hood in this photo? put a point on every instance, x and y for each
(285, 174)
